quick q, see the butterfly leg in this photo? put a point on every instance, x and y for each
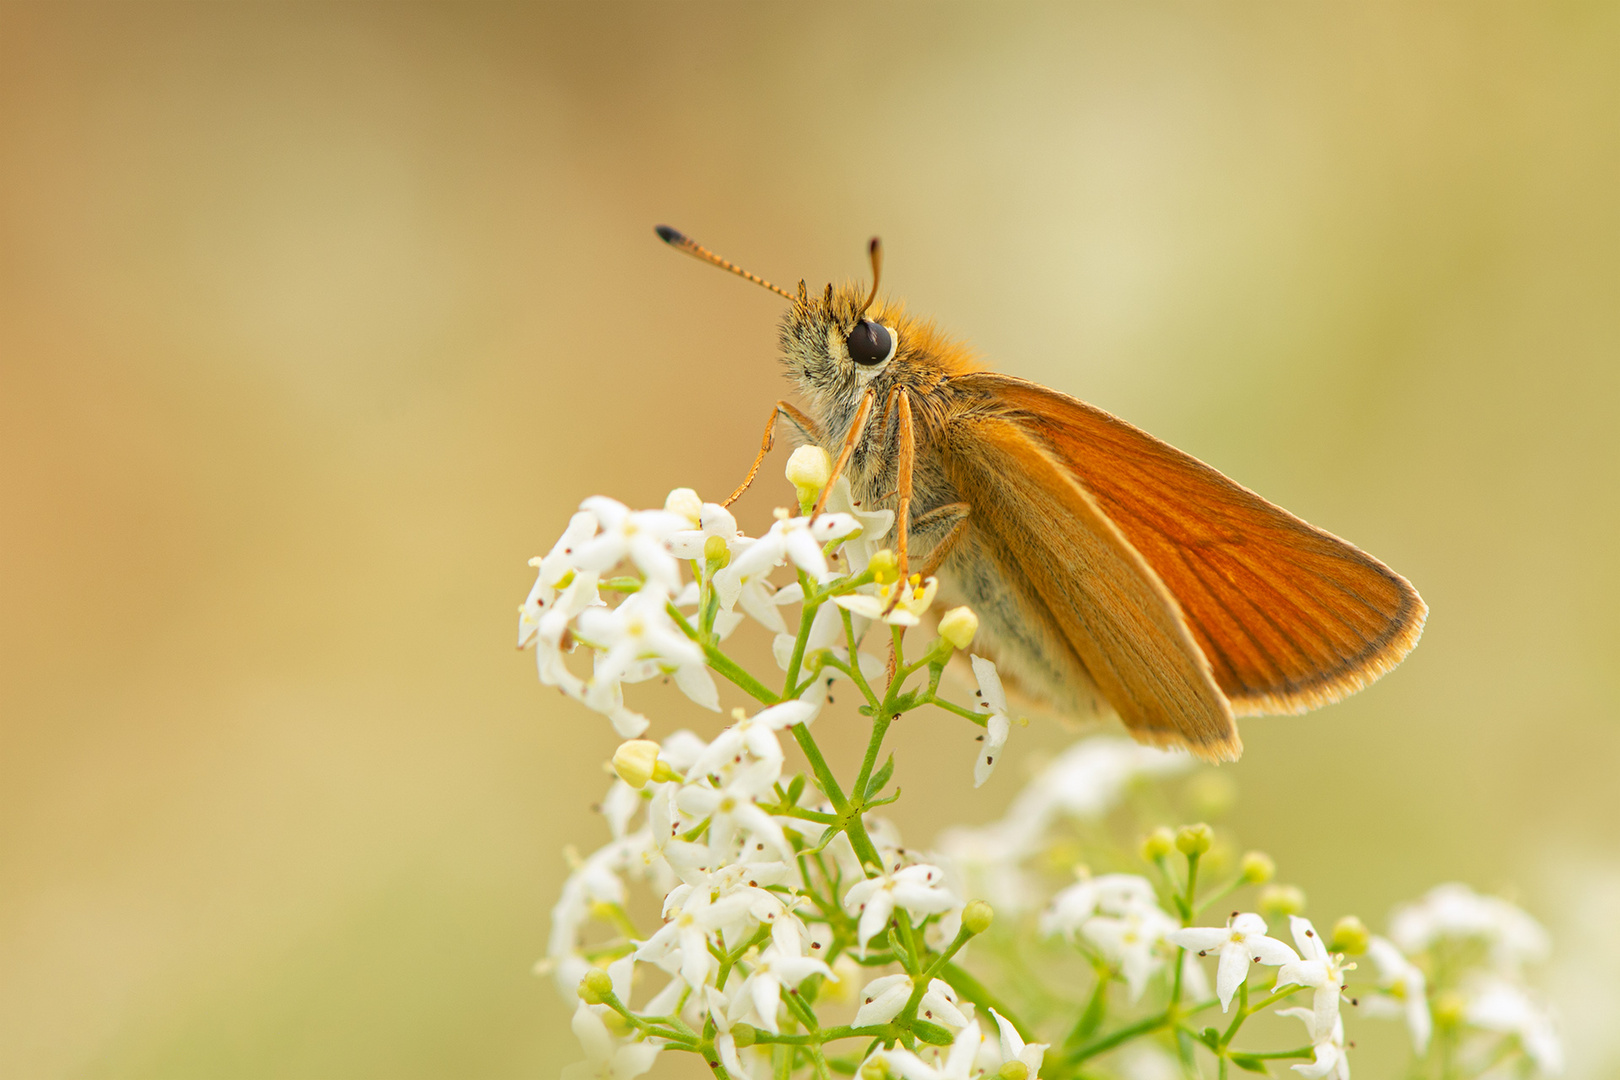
(905, 461)
(782, 408)
(953, 519)
(856, 426)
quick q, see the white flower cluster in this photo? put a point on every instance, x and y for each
(765, 897)
(785, 903)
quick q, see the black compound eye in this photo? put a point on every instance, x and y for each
(868, 343)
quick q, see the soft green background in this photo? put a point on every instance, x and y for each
(316, 321)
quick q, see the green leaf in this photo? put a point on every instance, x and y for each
(1210, 1038)
(795, 788)
(931, 1033)
(1250, 1064)
(880, 778)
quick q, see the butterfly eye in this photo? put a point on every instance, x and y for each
(869, 343)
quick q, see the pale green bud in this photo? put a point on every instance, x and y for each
(1349, 936)
(1449, 1009)
(743, 1034)
(958, 626)
(1279, 900)
(715, 551)
(595, 987)
(1194, 839)
(1013, 1070)
(1158, 843)
(1257, 868)
(977, 917)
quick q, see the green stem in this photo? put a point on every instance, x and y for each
(1157, 1022)
(1272, 1055)
(854, 668)
(1242, 1013)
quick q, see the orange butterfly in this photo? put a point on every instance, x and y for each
(1101, 561)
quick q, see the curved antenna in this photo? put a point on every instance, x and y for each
(677, 239)
(875, 250)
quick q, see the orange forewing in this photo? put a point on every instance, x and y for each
(1289, 616)
(1106, 610)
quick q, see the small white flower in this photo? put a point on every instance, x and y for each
(915, 597)
(939, 1005)
(1318, 969)
(1110, 894)
(918, 889)
(685, 502)
(1329, 1061)
(882, 999)
(712, 520)
(638, 629)
(1243, 941)
(1405, 991)
(1129, 941)
(754, 735)
(1498, 1005)
(762, 990)
(731, 811)
(606, 1059)
(1456, 911)
(1014, 1048)
(637, 535)
(693, 920)
(798, 539)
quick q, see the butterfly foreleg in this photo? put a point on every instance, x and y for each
(905, 462)
(808, 427)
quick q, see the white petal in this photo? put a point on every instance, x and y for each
(786, 714)
(995, 738)
(696, 683)
(882, 1000)
(991, 693)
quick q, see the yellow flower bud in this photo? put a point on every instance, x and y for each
(1194, 839)
(685, 502)
(977, 917)
(1258, 868)
(1157, 844)
(1279, 900)
(595, 987)
(635, 762)
(958, 626)
(1349, 936)
(809, 469)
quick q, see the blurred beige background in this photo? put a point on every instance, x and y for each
(317, 321)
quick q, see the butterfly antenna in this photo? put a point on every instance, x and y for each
(875, 250)
(676, 239)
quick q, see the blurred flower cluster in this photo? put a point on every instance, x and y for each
(771, 922)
